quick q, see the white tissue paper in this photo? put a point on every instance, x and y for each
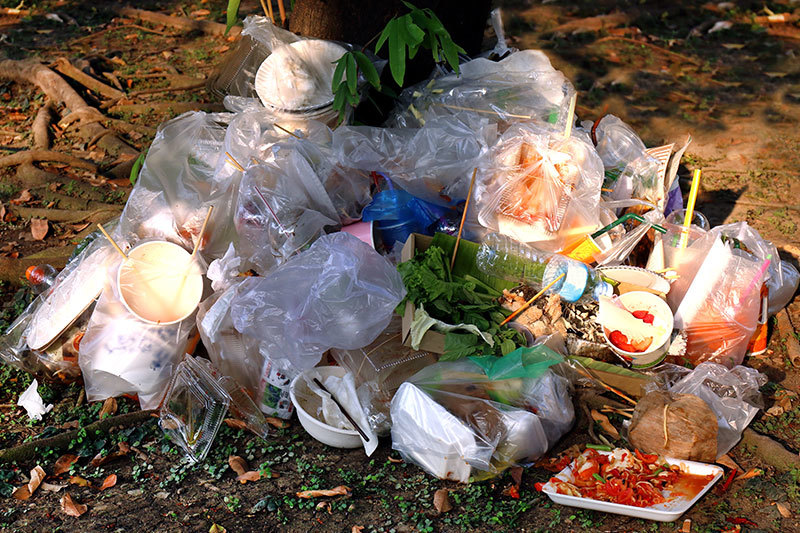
(32, 402)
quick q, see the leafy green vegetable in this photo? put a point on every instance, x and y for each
(456, 300)
(137, 165)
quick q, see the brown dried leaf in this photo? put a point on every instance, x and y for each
(99, 460)
(26, 491)
(200, 13)
(124, 447)
(753, 472)
(2, 211)
(784, 510)
(78, 480)
(109, 482)
(276, 422)
(516, 475)
(687, 526)
(16, 116)
(71, 507)
(248, 476)
(39, 228)
(52, 487)
(604, 423)
(238, 464)
(341, 490)
(357, 529)
(108, 409)
(24, 196)
(72, 424)
(726, 460)
(441, 500)
(63, 463)
(235, 423)
(394, 460)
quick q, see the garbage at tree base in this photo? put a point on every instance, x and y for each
(460, 337)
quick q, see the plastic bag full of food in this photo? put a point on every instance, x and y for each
(457, 423)
(339, 293)
(543, 189)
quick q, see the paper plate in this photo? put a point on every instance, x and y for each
(663, 512)
(296, 77)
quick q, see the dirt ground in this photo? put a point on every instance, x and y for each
(669, 69)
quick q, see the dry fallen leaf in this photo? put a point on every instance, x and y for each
(78, 480)
(753, 472)
(216, 528)
(393, 460)
(71, 507)
(441, 500)
(39, 228)
(26, 491)
(52, 487)
(604, 423)
(109, 482)
(99, 460)
(276, 422)
(64, 463)
(108, 409)
(235, 423)
(323, 505)
(784, 510)
(237, 464)
(726, 460)
(687, 526)
(248, 476)
(516, 475)
(733, 46)
(341, 490)
(357, 529)
(200, 13)
(24, 196)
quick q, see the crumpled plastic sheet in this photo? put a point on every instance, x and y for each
(178, 183)
(340, 293)
(732, 394)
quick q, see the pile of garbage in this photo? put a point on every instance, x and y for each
(447, 279)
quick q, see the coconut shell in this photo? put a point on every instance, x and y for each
(691, 427)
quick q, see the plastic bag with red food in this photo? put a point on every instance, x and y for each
(544, 189)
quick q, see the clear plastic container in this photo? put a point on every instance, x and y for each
(503, 257)
(193, 408)
(244, 408)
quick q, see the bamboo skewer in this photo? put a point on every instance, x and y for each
(527, 304)
(202, 233)
(268, 11)
(570, 116)
(112, 241)
(282, 11)
(600, 382)
(463, 218)
(287, 131)
(233, 162)
(486, 111)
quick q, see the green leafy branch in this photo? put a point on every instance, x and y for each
(405, 35)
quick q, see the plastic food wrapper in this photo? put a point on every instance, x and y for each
(456, 423)
(622, 246)
(398, 214)
(379, 369)
(32, 402)
(630, 172)
(121, 354)
(340, 293)
(179, 182)
(521, 87)
(732, 394)
(344, 390)
(193, 408)
(434, 162)
(544, 189)
(721, 281)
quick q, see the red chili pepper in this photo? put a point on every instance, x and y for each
(645, 458)
(513, 492)
(727, 484)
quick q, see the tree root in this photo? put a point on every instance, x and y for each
(67, 69)
(182, 23)
(30, 450)
(31, 156)
(165, 107)
(769, 451)
(65, 216)
(60, 92)
(13, 270)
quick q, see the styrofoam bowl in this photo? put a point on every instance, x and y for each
(158, 283)
(306, 406)
(640, 300)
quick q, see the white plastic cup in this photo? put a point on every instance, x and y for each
(158, 283)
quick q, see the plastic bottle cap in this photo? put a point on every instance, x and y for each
(33, 274)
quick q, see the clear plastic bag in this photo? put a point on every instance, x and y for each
(121, 354)
(179, 182)
(543, 189)
(719, 309)
(434, 162)
(522, 87)
(732, 394)
(340, 293)
(456, 423)
(629, 171)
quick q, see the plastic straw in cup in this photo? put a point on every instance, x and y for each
(755, 279)
(687, 221)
